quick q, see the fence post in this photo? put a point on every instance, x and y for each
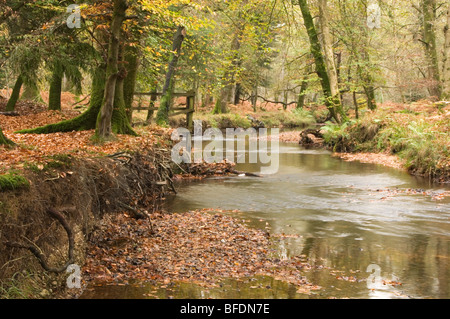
(191, 110)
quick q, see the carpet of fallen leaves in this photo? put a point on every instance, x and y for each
(198, 246)
(373, 158)
(392, 192)
(37, 148)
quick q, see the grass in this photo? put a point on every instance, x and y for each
(421, 140)
(12, 181)
(21, 285)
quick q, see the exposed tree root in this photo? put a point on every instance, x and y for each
(36, 251)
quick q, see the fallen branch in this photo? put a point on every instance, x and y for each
(12, 113)
(245, 173)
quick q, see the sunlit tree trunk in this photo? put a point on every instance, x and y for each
(332, 101)
(162, 117)
(429, 41)
(446, 64)
(104, 127)
(225, 93)
(328, 49)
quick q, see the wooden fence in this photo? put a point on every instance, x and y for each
(189, 109)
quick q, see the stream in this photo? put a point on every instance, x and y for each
(371, 231)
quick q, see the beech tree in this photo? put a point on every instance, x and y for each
(162, 117)
(332, 100)
(429, 40)
(446, 58)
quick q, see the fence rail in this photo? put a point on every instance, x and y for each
(189, 109)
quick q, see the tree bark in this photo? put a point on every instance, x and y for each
(332, 102)
(162, 117)
(429, 41)
(446, 60)
(104, 124)
(4, 140)
(226, 91)
(131, 58)
(151, 105)
(85, 121)
(54, 99)
(328, 49)
(302, 94)
(11, 105)
(237, 94)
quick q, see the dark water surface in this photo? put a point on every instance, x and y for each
(349, 216)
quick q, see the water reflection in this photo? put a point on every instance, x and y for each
(347, 219)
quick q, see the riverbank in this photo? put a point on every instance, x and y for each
(413, 137)
(202, 247)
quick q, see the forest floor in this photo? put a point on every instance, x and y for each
(162, 240)
(413, 137)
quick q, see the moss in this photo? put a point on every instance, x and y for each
(13, 181)
(4, 140)
(11, 105)
(55, 90)
(83, 122)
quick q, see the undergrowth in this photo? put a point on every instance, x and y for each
(422, 143)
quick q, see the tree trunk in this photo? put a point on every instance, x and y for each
(355, 103)
(237, 94)
(4, 140)
(151, 105)
(54, 99)
(104, 122)
(225, 93)
(328, 50)
(446, 64)
(131, 58)
(119, 120)
(11, 105)
(332, 103)
(302, 94)
(162, 117)
(85, 121)
(429, 41)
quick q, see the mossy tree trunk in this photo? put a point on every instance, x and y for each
(88, 119)
(162, 117)
(4, 140)
(54, 99)
(131, 57)
(104, 121)
(332, 102)
(11, 105)
(120, 123)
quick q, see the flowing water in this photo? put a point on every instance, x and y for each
(369, 226)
